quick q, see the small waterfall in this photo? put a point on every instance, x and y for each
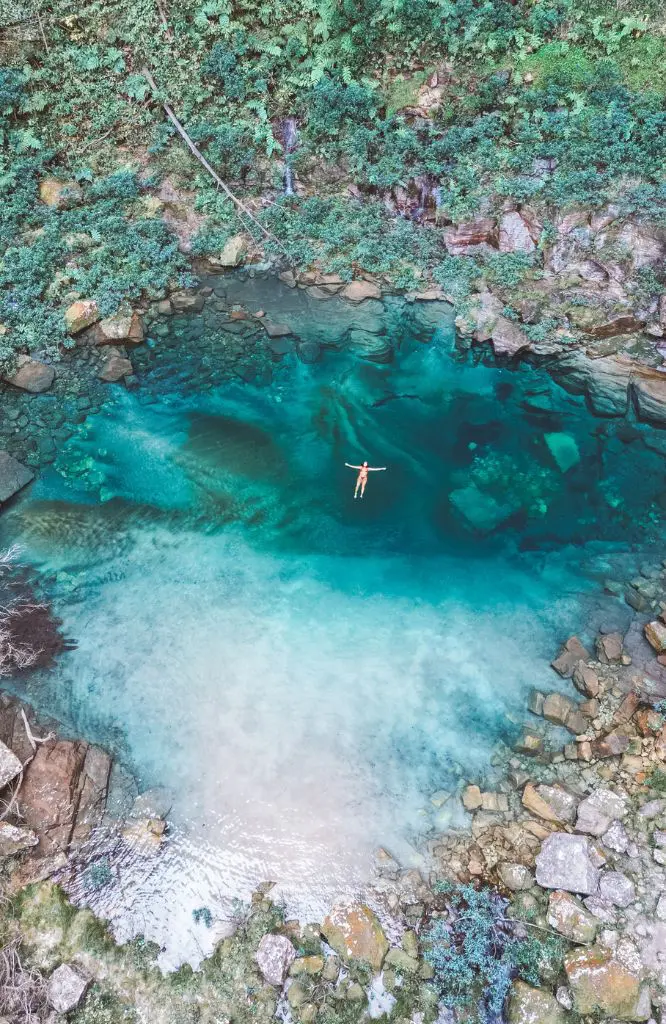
(425, 192)
(289, 142)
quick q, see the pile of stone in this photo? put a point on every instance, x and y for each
(577, 835)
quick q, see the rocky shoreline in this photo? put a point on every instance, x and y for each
(573, 835)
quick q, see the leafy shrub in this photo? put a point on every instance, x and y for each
(477, 951)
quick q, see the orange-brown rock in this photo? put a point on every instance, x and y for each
(354, 932)
(81, 314)
(49, 795)
(603, 985)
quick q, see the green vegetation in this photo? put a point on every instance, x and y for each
(403, 108)
(476, 951)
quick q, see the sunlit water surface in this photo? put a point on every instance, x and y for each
(301, 671)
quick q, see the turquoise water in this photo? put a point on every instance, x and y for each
(299, 670)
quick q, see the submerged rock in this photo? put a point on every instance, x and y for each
(354, 932)
(13, 476)
(480, 511)
(144, 835)
(564, 450)
(374, 347)
(274, 957)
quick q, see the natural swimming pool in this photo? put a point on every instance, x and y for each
(299, 670)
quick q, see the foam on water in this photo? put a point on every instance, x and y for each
(299, 670)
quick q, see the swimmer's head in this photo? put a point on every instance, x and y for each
(365, 463)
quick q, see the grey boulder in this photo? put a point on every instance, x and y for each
(274, 957)
(564, 863)
(10, 766)
(616, 888)
(66, 988)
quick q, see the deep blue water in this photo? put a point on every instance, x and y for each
(301, 670)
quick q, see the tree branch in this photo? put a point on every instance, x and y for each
(202, 160)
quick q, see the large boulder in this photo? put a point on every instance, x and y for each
(274, 957)
(124, 327)
(66, 988)
(515, 876)
(650, 396)
(598, 810)
(507, 338)
(564, 863)
(31, 375)
(114, 368)
(13, 476)
(50, 794)
(564, 450)
(359, 291)
(514, 234)
(234, 252)
(570, 657)
(568, 916)
(81, 314)
(355, 933)
(603, 984)
(529, 1005)
(604, 381)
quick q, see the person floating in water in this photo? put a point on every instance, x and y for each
(362, 478)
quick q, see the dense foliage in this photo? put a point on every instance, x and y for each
(546, 102)
(477, 950)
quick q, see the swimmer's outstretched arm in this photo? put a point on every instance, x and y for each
(353, 467)
(376, 469)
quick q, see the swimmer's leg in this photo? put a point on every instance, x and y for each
(363, 483)
(358, 484)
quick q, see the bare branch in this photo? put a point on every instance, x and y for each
(202, 160)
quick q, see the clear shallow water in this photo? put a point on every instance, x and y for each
(299, 670)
